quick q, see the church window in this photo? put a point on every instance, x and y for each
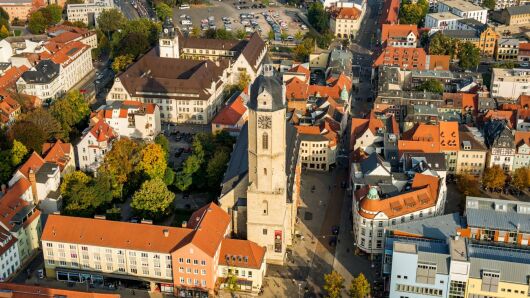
(265, 208)
(265, 141)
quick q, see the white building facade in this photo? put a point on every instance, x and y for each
(94, 144)
(510, 83)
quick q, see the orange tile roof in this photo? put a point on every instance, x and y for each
(102, 131)
(65, 37)
(397, 32)
(57, 152)
(30, 291)
(501, 115)
(232, 113)
(430, 138)
(524, 101)
(300, 69)
(8, 106)
(34, 162)
(405, 58)
(390, 11)
(439, 62)
(424, 194)
(351, 13)
(12, 203)
(234, 251)
(209, 224)
(522, 137)
(68, 28)
(296, 89)
(68, 52)
(524, 46)
(116, 234)
(449, 136)
(463, 101)
(11, 76)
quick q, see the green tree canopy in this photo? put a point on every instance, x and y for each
(29, 134)
(468, 55)
(521, 179)
(164, 143)
(4, 32)
(359, 287)
(37, 23)
(440, 44)
(10, 159)
(334, 283)
(303, 49)
(431, 85)
(110, 20)
(42, 118)
(153, 199)
(53, 14)
(119, 164)
(121, 62)
(70, 110)
(163, 11)
(489, 4)
(413, 12)
(468, 185)
(318, 17)
(219, 34)
(85, 196)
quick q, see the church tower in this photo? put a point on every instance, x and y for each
(168, 42)
(268, 211)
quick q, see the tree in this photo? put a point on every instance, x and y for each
(53, 14)
(133, 43)
(468, 185)
(121, 161)
(71, 179)
(218, 34)
(110, 20)
(29, 134)
(440, 44)
(163, 11)
(37, 23)
(152, 161)
(195, 32)
(216, 168)
(318, 17)
(359, 287)
(121, 63)
(18, 152)
(184, 178)
(489, 4)
(85, 196)
(75, 1)
(431, 85)
(43, 119)
(284, 36)
(299, 35)
(240, 34)
(70, 110)
(521, 179)
(271, 35)
(413, 13)
(164, 143)
(334, 283)
(4, 32)
(468, 55)
(243, 81)
(494, 178)
(153, 199)
(169, 176)
(303, 49)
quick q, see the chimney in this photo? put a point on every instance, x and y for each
(3, 188)
(166, 233)
(33, 180)
(184, 224)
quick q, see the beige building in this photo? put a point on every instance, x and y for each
(345, 22)
(510, 83)
(88, 12)
(471, 157)
(20, 9)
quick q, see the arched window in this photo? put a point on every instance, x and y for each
(265, 141)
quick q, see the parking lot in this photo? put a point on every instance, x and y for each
(219, 13)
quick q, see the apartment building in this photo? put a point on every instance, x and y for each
(507, 49)
(510, 83)
(524, 52)
(42, 81)
(131, 119)
(397, 102)
(318, 146)
(513, 16)
(61, 154)
(464, 10)
(95, 142)
(233, 115)
(480, 35)
(382, 198)
(21, 9)
(345, 22)
(89, 12)
(9, 109)
(471, 158)
(9, 257)
(184, 261)
(64, 34)
(367, 135)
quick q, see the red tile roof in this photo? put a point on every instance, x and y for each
(30, 291)
(10, 77)
(210, 224)
(300, 69)
(241, 253)
(430, 138)
(57, 152)
(232, 113)
(404, 58)
(68, 53)
(524, 101)
(8, 107)
(12, 203)
(34, 162)
(351, 13)
(501, 115)
(397, 32)
(522, 137)
(439, 62)
(390, 12)
(65, 37)
(423, 194)
(102, 131)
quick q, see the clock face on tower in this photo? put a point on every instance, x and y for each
(264, 122)
(165, 30)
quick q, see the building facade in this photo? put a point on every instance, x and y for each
(510, 83)
(87, 12)
(95, 142)
(345, 22)
(507, 49)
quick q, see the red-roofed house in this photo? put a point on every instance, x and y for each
(390, 13)
(522, 150)
(367, 134)
(60, 153)
(345, 21)
(404, 36)
(9, 109)
(131, 119)
(232, 116)
(65, 34)
(188, 260)
(404, 58)
(94, 144)
(9, 78)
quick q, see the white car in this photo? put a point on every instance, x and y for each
(185, 22)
